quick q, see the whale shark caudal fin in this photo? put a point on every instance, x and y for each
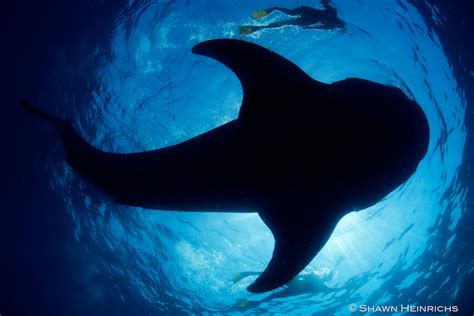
(57, 122)
(298, 238)
(64, 127)
(78, 152)
(265, 76)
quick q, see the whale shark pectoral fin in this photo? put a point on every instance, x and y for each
(265, 76)
(298, 238)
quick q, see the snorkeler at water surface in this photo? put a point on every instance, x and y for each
(306, 283)
(306, 17)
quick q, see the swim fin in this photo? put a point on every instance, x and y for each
(258, 14)
(248, 29)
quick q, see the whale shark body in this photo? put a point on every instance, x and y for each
(301, 153)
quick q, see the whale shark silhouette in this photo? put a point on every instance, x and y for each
(301, 153)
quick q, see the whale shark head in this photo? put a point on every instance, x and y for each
(301, 153)
(332, 148)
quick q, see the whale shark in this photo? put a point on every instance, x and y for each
(301, 154)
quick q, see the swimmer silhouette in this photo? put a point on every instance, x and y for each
(301, 153)
(303, 284)
(306, 17)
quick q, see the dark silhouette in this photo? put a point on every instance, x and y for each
(242, 275)
(306, 17)
(301, 153)
(303, 284)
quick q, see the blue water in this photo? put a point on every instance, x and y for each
(146, 90)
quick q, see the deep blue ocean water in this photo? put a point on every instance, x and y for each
(125, 74)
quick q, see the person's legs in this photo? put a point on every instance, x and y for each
(241, 275)
(306, 17)
(258, 14)
(274, 25)
(249, 29)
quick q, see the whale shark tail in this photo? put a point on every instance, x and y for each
(93, 164)
(80, 155)
(60, 124)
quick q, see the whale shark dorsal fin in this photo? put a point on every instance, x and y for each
(265, 76)
(298, 238)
